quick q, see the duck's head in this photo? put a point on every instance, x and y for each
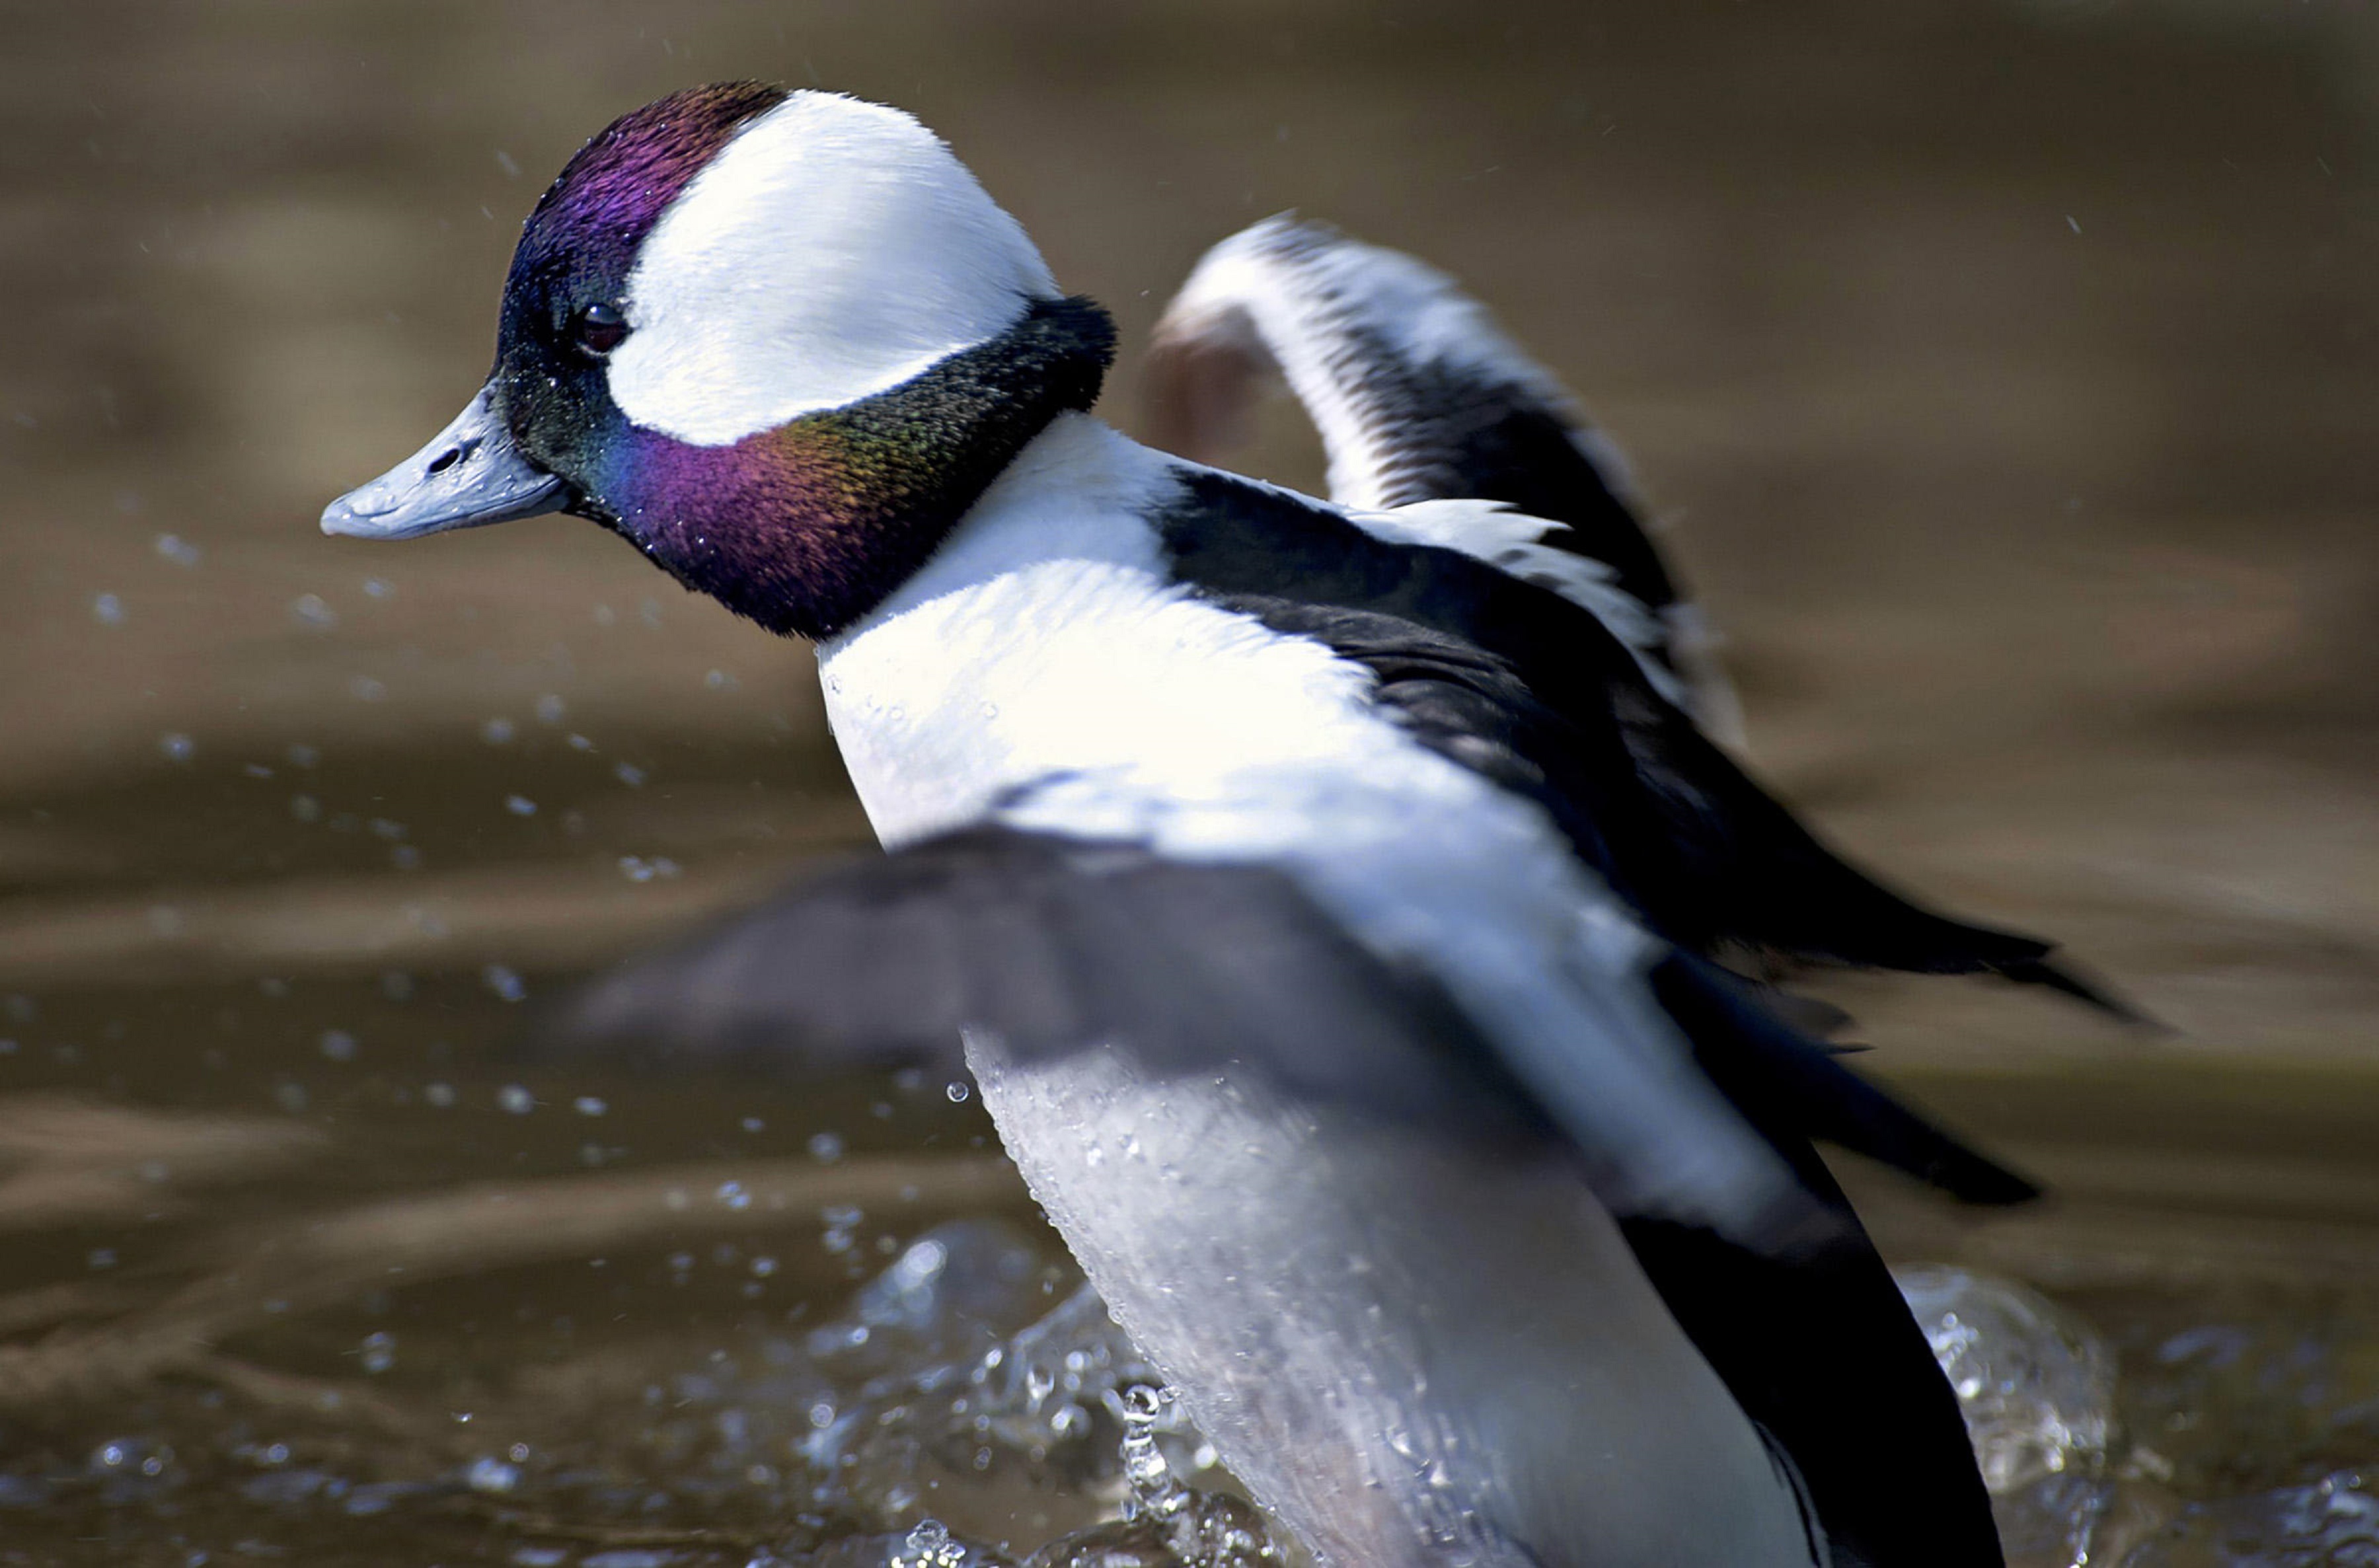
(778, 341)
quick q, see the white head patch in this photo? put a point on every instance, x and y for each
(832, 250)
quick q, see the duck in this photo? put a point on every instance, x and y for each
(1265, 866)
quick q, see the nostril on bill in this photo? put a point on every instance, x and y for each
(445, 460)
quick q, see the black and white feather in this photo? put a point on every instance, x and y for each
(1438, 429)
(1422, 401)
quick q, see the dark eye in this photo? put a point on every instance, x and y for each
(598, 328)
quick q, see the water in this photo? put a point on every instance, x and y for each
(2003, 372)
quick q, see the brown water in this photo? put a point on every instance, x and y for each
(2004, 371)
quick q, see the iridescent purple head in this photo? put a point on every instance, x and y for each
(778, 340)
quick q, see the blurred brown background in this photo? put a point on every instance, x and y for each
(2004, 370)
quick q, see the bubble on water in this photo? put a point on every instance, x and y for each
(488, 1474)
(550, 707)
(2034, 1382)
(308, 609)
(590, 1105)
(515, 1099)
(733, 1195)
(520, 806)
(958, 1091)
(179, 550)
(504, 983)
(496, 731)
(107, 610)
(378, 1351)
(338, 1044)
(825, 1148)
(178, 746)
(762, 1267)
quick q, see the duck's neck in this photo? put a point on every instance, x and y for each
(806, 527)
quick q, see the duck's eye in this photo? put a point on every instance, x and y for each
(598, 328)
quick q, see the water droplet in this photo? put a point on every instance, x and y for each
(958, 1091)
(515, 1099)
(379, 1351)
(178, 746)
(629, 774)
(520, 806)
(549, 709)
(496, 731)
(588, 1105)
(439, 1094)
(178, 551)
(825, 1148)
(733, 1195)
(309, 610)
(338, 1044)
(504, 983)
(107, 610)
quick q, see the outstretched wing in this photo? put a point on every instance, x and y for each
(1422, 401)
(1055, 945)
(1521, 684)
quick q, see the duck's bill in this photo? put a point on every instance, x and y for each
(469, 475)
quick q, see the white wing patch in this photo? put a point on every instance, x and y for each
(834, 249)
(1514, 542)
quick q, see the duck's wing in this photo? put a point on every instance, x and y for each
(1057, 946)
(1523, 684)
(1421, 400)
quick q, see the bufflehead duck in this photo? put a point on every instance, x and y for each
(1438, 427)
(1258, 858)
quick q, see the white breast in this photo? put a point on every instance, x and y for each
(1041, 671)
(1419, 1354)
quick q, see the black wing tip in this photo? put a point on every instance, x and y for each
(2067, 979)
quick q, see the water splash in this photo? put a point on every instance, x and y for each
(2035, 1383)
